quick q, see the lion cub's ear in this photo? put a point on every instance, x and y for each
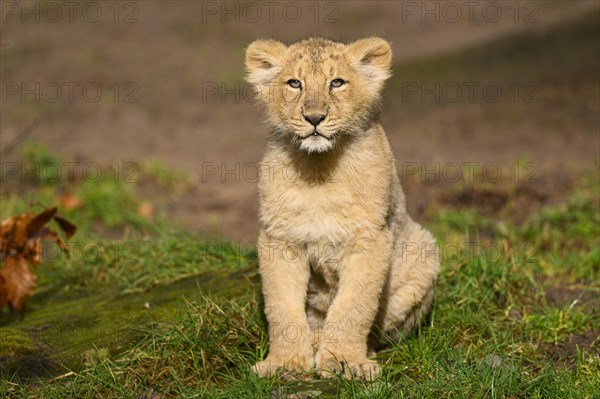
(263, 60)
(372, 57)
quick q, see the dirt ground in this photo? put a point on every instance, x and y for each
(164, 81)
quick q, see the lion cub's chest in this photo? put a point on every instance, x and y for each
(314, 213)
(347, 203)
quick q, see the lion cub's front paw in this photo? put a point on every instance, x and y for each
(273, 365)
(328, 365)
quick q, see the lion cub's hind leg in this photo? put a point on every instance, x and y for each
(409, 293)
(321, 291)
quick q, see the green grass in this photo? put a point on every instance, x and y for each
(154, 307)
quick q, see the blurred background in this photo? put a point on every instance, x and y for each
(161, 83)
(133, 118)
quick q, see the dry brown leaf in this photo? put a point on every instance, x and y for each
(69, 201)
(21, 244)
(146, 210)
(33, 251)
(6, 225)
(39, 221)
(13, 235)
(66, 226)
(18, 282)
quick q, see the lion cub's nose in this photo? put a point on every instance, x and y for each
(314, 119)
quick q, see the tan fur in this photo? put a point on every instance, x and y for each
(340, 259)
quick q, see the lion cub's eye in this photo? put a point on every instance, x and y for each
(337, 83)
(295, 83)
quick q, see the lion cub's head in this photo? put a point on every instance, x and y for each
(318, 91)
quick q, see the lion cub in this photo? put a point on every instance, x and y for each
(340, 259)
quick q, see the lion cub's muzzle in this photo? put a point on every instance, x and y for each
(314, 118)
